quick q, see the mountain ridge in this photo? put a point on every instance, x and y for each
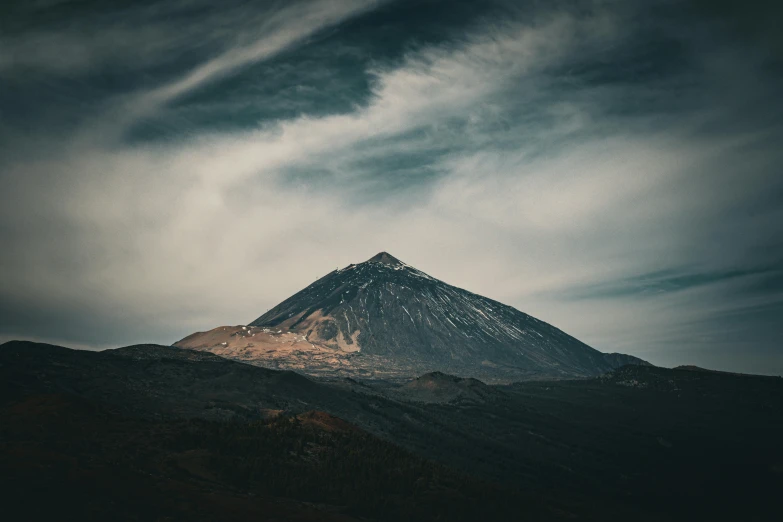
(386, 319)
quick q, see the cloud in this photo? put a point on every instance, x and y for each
(279, 31)
(490, 161)
(76, 42)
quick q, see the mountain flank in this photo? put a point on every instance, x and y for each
(384, 319)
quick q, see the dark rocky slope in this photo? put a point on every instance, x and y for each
(385, 307)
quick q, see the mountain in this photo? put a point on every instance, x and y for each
(384, 319)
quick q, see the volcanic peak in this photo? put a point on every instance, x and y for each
(384, 319)
(386, 259)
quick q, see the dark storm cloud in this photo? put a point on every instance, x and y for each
(611, 167)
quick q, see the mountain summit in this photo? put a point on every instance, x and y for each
(385, 319)
(386, 259)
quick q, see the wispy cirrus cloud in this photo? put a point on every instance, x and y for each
(278, 31)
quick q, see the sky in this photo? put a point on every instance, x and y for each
(614, 168)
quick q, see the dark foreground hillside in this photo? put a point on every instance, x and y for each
(157, 433)
(64, 458)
